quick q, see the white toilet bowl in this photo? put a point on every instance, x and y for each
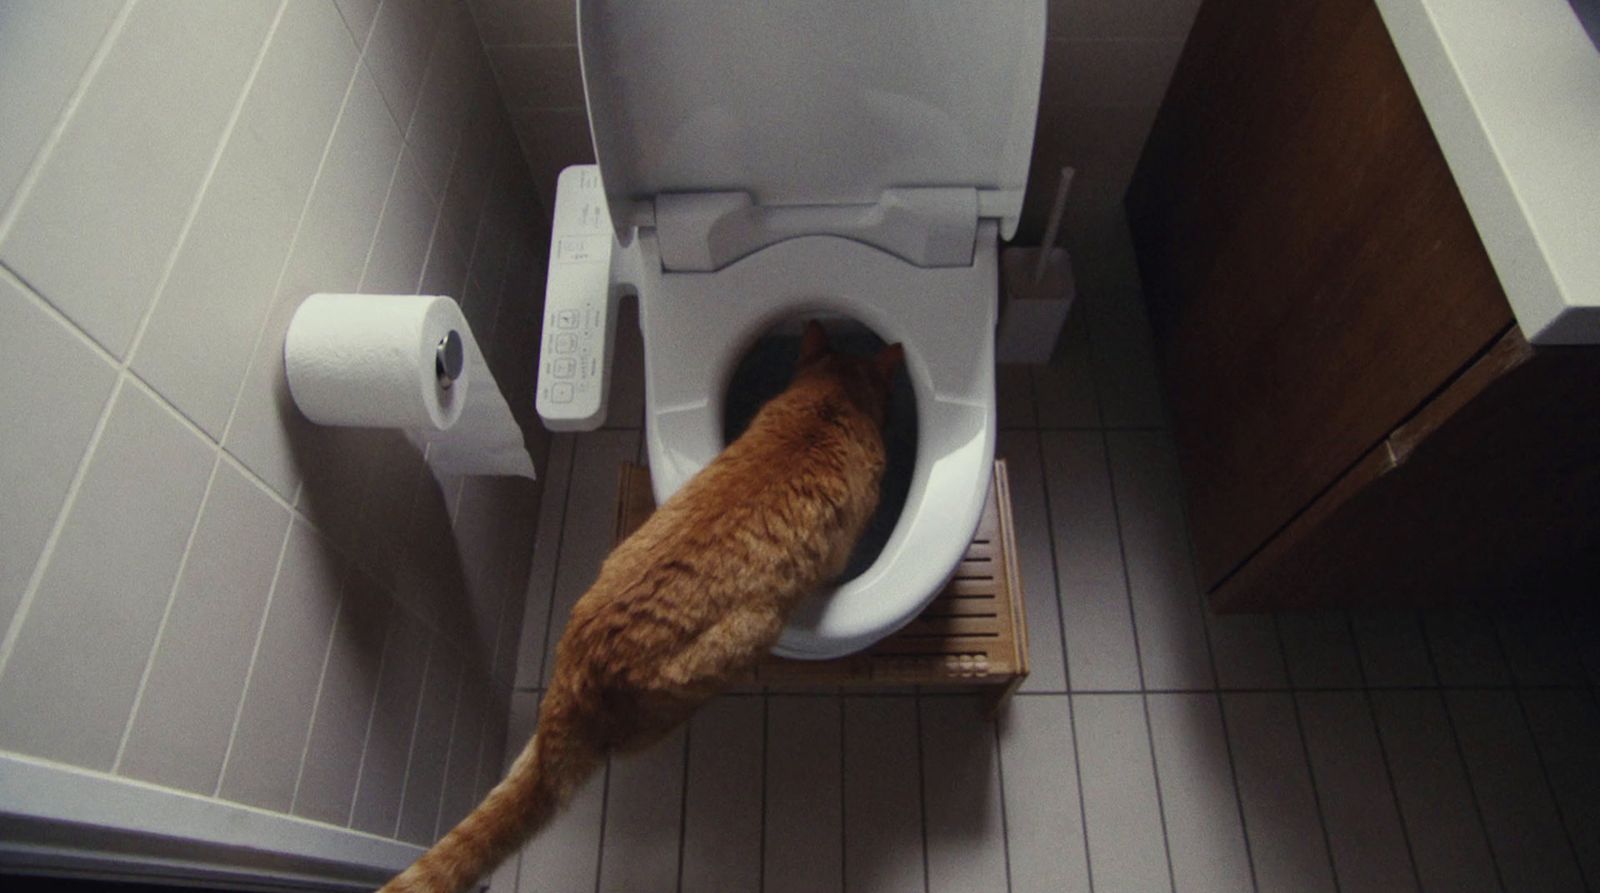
(697, 326)
(764, 161)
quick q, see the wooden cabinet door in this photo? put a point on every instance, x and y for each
(1311, 271)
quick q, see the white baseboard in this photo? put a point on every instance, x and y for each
(56, 818)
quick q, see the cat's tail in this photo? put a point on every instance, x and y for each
(544, 775)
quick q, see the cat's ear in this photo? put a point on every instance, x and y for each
(888, 360)
(813, 344)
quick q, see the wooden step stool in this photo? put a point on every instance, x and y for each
(972, 636)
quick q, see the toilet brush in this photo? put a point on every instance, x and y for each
(1038, 288)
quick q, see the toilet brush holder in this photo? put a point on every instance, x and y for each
(1036, 295)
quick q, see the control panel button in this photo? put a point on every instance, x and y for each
(566, 319)
(564, 367)
(564, 344)
(561, 392)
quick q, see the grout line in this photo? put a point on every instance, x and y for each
(69, 501)
(19, 615)
(1055, 566)
(1077, 770)
(1383, 750)
(322, 682)
(683, 804)
(1461, 758)
(555, 573)
(1217, 690)
(288, 257)
(255, 653)
(1066, 659)
(761, 876)
(1005, 824)
(383, 212)
(46, 149)
(1138, 655)
(428, 667)
(390, 641)
(166, 614)
(600, 843)
(1538, 752)
(922, 789)
(193, 211)
(1311, 772)
(844, 840)
(360, 40)
(1238, 797)
(449, 748)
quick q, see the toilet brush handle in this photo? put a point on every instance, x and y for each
(1054, 226)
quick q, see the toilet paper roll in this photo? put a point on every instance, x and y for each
(371, 361)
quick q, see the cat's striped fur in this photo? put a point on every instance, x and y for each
(696, 596)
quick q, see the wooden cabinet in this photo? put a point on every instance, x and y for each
(1358, 417)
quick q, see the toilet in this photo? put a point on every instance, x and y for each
(762, 162)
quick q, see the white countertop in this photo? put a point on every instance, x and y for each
(1512, 91)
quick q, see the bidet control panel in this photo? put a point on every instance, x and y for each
(579, 312)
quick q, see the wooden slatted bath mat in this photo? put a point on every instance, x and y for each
(972, 636)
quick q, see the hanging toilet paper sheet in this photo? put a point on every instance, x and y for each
(403, 361)
(486, 439)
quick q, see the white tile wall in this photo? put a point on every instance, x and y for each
(196, 588)
(1156, 745)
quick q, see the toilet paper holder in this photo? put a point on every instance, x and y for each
(448, 359)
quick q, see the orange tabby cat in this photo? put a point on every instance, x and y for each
(696, 596)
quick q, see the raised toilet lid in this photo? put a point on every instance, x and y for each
(823, 102)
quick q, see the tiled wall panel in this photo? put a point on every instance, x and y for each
(197, 588)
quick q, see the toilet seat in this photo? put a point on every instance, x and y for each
(763, 161)
(697, 326)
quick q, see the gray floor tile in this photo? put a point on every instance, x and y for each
(1155, 543)
(1566, 728)
(644, 815)
(961, 797)
(1064, 388)
(1318, 649)
(1246, 650)
(1435, 797)
(546, 555)
(1101, 653)
(1539, 646)
(1275, 788)
(803, 821)
(1464, 648)
(1047, 665)
(1198, 795)
(566, 854)
(882, 795)
(723, 809)
(1122, 811)
(1393, 651)
(1364, 829)
(1525, 831)
(587, 524)
(1013, 393)
(1045, 842)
